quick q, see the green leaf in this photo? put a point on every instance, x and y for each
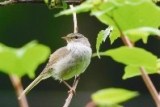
(115, 34)
(22, 61)
(132, 71)
(133, 56)
(141, 33)
(81, 8)
(102, 36)
(158, 64)
(104, 18)
(142, 13)
(112, 96)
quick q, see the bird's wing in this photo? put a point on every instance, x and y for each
(56, 56)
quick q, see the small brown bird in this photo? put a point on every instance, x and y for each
(66, 62)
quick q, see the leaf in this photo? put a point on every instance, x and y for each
(115, 34)
(132, 71)
(108, 21)
(133, 56)
(158, 64)
(142, 13)
(141, 33)
(22, 61)
(34, 55)
(102, 36)
(81, 8)
(112, 96)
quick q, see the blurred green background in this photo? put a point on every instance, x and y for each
(22, 23)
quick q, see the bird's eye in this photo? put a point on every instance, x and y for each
(76, 37)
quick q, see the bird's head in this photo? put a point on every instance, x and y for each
(76, 38)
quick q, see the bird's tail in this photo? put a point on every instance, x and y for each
(32, 85)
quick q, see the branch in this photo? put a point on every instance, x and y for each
(150, 86)
(16, 81)
(74, 20)
(70, 96)
(75, 83)
(8, 2)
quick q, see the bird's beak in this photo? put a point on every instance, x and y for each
(65, 38)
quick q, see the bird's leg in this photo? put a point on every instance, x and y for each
(75, 79)
(74, 85)
(72, 89)
(67, 84)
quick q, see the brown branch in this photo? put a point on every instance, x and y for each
(16, 81)
(70, 96)
(75, 30)
(8, 2)
(150, 86)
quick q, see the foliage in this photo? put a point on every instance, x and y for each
(102, 36)
(112, 97)
(116, 13)
(134, 19)
(24, 60)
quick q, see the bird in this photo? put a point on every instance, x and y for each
(66, 62)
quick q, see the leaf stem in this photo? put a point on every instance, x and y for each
(150, 86)
(100, 54)
(17, 84)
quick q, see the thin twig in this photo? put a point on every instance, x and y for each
(75, 83)
(74, 20)
(150, 86)
(7, 2)
(17, 84)
(126, 41)
(70, 96)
